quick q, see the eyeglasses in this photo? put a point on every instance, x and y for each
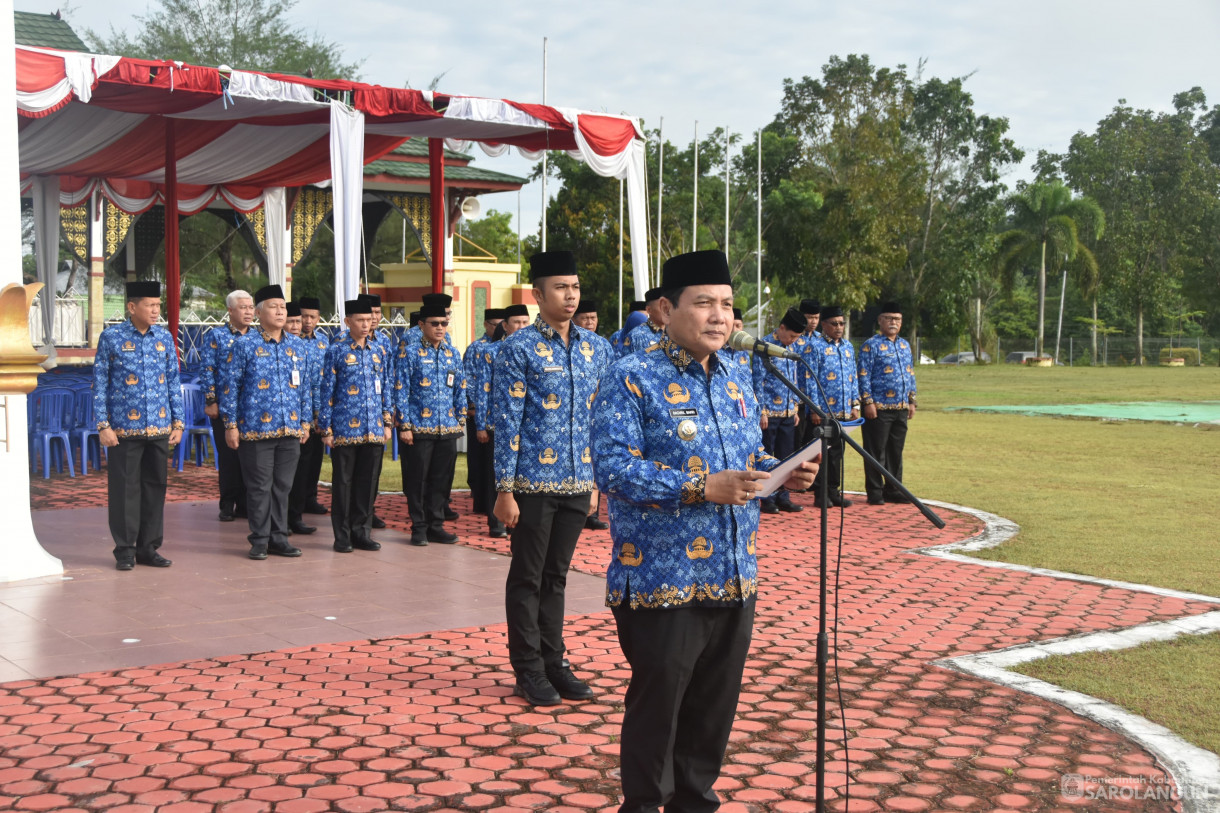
(433, 323)
(836, 322)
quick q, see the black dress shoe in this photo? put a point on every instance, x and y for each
(378, 522)
(301, 528)
(536, 689)
(343, 548)
(450, 515)
(770, 508)
(498, 533)
(240, 513)
(124, 564)
(153, 560)
(592, 523)
(898, 498)
(366, 544)
(567, 684)
(225, 516)
(419, 540)
(315, 508)
(840, 501)
(442, 537)
(284, 550)
(790, 508)
(876, 501)
(258, 553)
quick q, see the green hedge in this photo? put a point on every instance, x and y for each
(1191, 354)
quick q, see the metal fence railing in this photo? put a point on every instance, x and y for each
(1114, 351)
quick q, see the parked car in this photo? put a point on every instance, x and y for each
(1019, 356)
(925, 359)
(965, 357)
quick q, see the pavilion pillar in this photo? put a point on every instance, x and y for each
(440, 211)
(173, 283)
(21, 556)
(97, 269)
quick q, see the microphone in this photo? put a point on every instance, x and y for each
(740, 340)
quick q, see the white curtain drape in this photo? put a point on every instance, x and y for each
(347, 185)
(46, 248)
(277, 255)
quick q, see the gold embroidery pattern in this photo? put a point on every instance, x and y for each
(524, 485)
(735, 590)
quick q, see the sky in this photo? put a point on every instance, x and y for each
(1052, 67)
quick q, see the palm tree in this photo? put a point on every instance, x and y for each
(1045, 226)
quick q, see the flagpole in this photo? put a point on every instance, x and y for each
(726, 191)
(544, 149)
(758, 250)
(660, 190)
(694, 230)
(620, 254)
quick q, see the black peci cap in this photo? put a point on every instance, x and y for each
(831, 312)
(552, 264)
(442, 300)
(810, 307)
(638, 305)
(516, 310)
(294, 309)
(493, 313)
(357, 306)
(794, 320)
(587, 305)
(268, 292)
(709, 267)
(413, 320)
(737, 313)
(310, 303)
(143, 290)
(431, 312)
(891, 307)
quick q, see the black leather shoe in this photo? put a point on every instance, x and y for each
(769, 508)
(366, 544)
(301, 528)
(286, 550)
(419, 540)
(450, 515)
(840, 501)
(315, 508)
(790, 508)
(567, 684)
(498, 533)
(442, 537)
(378, 522)
(876, 501)
(258, 553)
(592, 523)
(225, 516)
(153, 560)
(536, 689)
(124, 564)
(898, 498)
(343, 548)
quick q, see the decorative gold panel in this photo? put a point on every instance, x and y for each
(311, 208)
(418, 210)
(117, 224)
(75, 225)
(258, 224)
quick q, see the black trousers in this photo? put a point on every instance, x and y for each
(479, 471)
(353, 489)
(542, 545)
(884, 438)
(305, 481)
(686, 668)
(137, 472)
(232, 486)
(268, 466)
(427, 474)
(832, 467)
(779, 439)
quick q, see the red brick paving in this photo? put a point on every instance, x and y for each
(428, 723)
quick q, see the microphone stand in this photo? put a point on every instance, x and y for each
(829, 431)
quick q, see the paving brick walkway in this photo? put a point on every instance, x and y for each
(428, 722)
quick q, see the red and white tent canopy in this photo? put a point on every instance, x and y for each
(106, 124)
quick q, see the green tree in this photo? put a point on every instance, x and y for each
(1045, 232)
(255, 35)
(493, 232)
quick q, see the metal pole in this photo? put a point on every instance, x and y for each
(518, 236)
(694, 226)
(544, 150)
(726, 191)
(758, 249)
(660, 191)
(620, 254)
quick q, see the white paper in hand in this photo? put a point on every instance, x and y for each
(781, 473)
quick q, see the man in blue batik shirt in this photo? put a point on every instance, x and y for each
(780, 406)
(216, 346)
(617, 337)
(303, 498)
(544, 380)
(355, 417)
(644, 336)
(835, 392)
(267, 405)
(812, 311)
(137, 400)
(678, 452)
(479, 467)
(586, 317)
(430, 412)
(887, 391)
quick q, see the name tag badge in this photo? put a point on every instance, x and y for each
(553, 369)
(449, 379)
(377, 385)
(685, 412)
(296, 378)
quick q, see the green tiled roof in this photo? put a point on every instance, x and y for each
(45, 31)
(414, 169)
(418, 147)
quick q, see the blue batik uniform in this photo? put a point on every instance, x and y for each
(738, 358)
(136, 389)
(642, 337)
(470, 359)
(776, 400)
(264, 391)
(836, 373)
(215, 350)
(479, 385)
(317, 346)
(542, 391)
(356, 402)
(429, 388)
(661, 425)
(604, 347)
(886, 373)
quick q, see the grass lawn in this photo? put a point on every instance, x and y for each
(391, 472)
(1132, 501)
(1173, 683)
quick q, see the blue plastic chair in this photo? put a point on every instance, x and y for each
(197, 435)
(85, 435)
(53, 422)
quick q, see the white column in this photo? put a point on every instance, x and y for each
(21, 557)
